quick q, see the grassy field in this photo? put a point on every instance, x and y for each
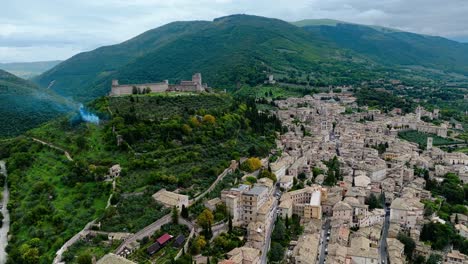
(421, 138)
(273, 92)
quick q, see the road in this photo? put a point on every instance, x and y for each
(383, 241)
(323, 239)
(145, 232)
(6, 217)
(66, 153)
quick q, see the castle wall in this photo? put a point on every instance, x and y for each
(195, 85)
(128, 89)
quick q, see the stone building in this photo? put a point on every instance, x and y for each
(170, 199)
(305, 203)
(195, 85)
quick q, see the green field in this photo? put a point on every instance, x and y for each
(421, 138)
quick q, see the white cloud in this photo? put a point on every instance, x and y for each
(56, 29)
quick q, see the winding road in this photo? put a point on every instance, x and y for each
(6, 220)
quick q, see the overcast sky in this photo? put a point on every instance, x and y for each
(32, 30)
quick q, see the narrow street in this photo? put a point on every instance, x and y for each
(383, 240)
(323, 240)
(6, 216)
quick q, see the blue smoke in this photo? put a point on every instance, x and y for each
(87, 116)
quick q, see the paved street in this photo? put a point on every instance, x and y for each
(383, 240)
(323, 239)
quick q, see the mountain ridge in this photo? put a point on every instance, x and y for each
(241, 49)
(23, 105)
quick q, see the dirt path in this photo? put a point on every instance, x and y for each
(54, 147)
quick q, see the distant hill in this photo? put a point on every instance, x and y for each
(227, 51)
(392, 47)
(23, 105)
(27, 70)
(242, 49)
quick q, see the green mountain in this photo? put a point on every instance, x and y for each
(227, 51)
(28, 70)
(23, 105)
(392, 47)
(242, 49)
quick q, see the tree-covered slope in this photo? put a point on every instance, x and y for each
(240, 49)
(23, 105)
(227, 51)
(392, 47)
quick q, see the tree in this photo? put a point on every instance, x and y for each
(175, 216)
(434, 259)
(409, 243)
(209, 119)
(184, 212)
(84, 259)
(205, 218)
(198, 244)
(268, 174)
(330, 180)
(418, 259)
(279, 232)
(230, 224)
(276, 252)
(456, 219)
(251, 164)
(373, 202)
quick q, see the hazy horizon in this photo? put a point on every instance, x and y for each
(52, 30)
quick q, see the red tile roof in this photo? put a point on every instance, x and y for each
(164, 238)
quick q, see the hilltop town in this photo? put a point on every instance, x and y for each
(341, 186)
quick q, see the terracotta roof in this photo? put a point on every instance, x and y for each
(164, 238)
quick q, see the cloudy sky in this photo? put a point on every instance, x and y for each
(32, 30)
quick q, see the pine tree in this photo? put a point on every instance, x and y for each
(184, 212)
(207, 260)
(286, 222)
(230, 224)
(456, 219)
(175, 216)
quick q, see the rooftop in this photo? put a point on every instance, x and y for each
(315, 199)
(257, 190)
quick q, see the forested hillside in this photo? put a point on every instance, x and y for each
(177, 141)
(391, 47)
(241, 49)
(228, 51)
(23, 105)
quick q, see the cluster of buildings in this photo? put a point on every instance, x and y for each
(376, 196)
(373, 162)
(194, 85)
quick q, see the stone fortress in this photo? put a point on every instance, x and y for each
(195, 85)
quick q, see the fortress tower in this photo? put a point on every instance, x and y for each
(429, 143)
